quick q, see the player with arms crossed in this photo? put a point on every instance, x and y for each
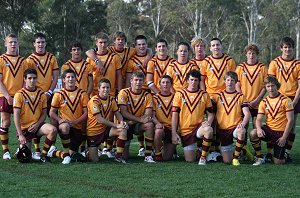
(136, 107)
(12, 67)
(72, 105)
(162, 118)
(279, 112)
(189, 107)
(232, 115)
(30, 111)
(101, 110)
(287, 70)
(158, 65)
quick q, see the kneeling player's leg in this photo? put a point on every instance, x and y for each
(121, 139)
(189, 152)
(279, 155)
(206, 134)
(256, 143)
(226, 138)
(5, 124)
(158, 138)
(75, 140)
(149, 136)
(93, 143)
(64, 134)
(239, 134)
(50, 132)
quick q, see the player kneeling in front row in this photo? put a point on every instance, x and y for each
(72, 105)
(279, 113)
(101, 111)
(162, 118)
(189, 107)
(233, 115)
(30, 110)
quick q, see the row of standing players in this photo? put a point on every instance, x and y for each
(113, 62)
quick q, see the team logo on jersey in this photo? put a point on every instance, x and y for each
(137, 65)
(159, 105)
(36, 65)
(15, 102)
(290, 104)
(71, 96)
(32, 96)
(128, 102)
(26, 101)
(155, 68)
(221, 102)
(65, 101)
(279, 69)
(42, 60)
(95, 108)
(13, 60)
(77, 67)
(122, 100)
(244, 73)
(166, 101)
(183, 100)
(266, 107)
(175, 73)
(6, 64)
(104, 105)
(211, 67)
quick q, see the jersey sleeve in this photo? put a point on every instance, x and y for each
(207, 99)
(288, 105)
(261, 108)
(54, 63)
(122, 98)
(150, 67)
(18, 100)
(239, 72)
(44, 101)
(63, 68)
(56, 100)
(177, 102)
(114, 106)
(30, 63)
(84, 99)
(149, 101)
(118, 62)
(94, 107)
(272, 68)
(231, 65)
(203, 71)
(129, 67)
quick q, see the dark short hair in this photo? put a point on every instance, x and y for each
(216, 39)
(67, 71)
(185, 44)
(272, 80)
(168, 77)
(39, 35)
(103, 80)
(119, 34)
(287, 41)
(231, 74)
(75, 44)
(140, 37)
(161, 40)
(29, 71)
(193, 73)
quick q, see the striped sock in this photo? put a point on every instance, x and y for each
(238, 148)
(257, 147)
(4, 139)
(149, 144)
(46, 147)
(120, 147)
(36, 142)
(205, 147)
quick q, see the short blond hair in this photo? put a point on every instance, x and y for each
(196, 40)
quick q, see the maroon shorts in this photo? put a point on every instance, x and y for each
(271, 135)
(226, 136)
(28, 135)
(5, 107)
(297, 107)
(190, 138)
(168, 135)
(49, 104)
(96, 140)
(253, 112)
(134, 129)
(76, 138)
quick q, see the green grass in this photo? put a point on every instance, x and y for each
(139, 179)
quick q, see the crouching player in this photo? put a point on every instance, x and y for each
(189, 107)
(162, 118)
(101, 111)
(30, 110)
(279, 113)
(72, 105)
(136, 106)
(233, 115)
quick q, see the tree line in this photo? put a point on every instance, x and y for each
(236, 22)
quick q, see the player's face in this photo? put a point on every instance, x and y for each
(182, 51)
(104, 90)
(12, 45)
(69, 80)
(161, 49)
(165, 85)
(40, 45)
(136, 83)
(251, 56)
(76, 53)
(230, 83)
(193, 83)
(141, 46)
(200, 49)
(120, 43)
(287, 50)
(102, 44)
(271, 89)
(30, 81)
(216, 47)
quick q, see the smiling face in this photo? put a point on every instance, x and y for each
(76, 53)
(104, 90)
(141, 47)
(216, 48)
(69, 81)
(161, 49)
(287, 51)
(40, 45)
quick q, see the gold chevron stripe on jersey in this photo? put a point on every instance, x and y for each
(229, 105)
(32, 100)
(192, 101)
(44, 66)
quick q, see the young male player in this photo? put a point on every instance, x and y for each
(111, 65)
(46, 65)
(287, 70)
(71, 102)
(189, 107)
(30, 111)
(162, 118)
(179, 69)
(198, 46)
(101, 110)
(158, 65)
(136, 107)
(232, 115)
(12, 67)
(279, 112)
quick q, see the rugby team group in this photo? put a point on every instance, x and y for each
(204, 103)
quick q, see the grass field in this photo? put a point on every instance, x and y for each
(139, 179)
